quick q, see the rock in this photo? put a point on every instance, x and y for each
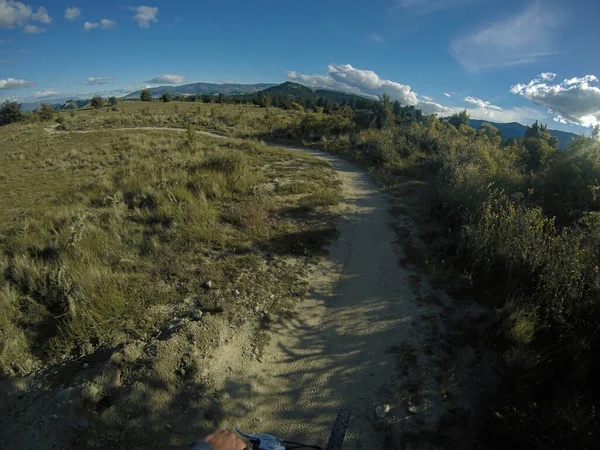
(236, 292)
(259, 360)
(82, 423)
(382, 411)
(257, 419)
(54, 416)
(197, 315)
(272, 296)
(207, 284)
(412, 408)
(168, 426)
(86, 365)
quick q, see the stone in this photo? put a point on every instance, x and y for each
(382, 411)
(197, 315)
(86, 365)
(207, 284)
(412, 408)
(82, 423)
(236, 292)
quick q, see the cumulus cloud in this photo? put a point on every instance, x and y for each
(576, 100)
(481, 103)
(144, 15)
(72, 13)
(41, 15)
(96, 81)
(166, 79)
(34, 29)
(346, 78)
(447, 95)
(18, 14)
(11, 83)
(520, 39)
(549, 76)
(104, 24)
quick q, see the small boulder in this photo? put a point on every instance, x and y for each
(236, 293)
(197, 315)
(382, 411)
(412, 408)
(207, 284)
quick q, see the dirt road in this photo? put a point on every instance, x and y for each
(335, 352)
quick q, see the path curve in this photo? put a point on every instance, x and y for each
(334, 353)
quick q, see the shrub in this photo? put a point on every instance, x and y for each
(166, 97)
(10, 113)
(97, 102)
(145, 95)
(113, 101)
(45, 112)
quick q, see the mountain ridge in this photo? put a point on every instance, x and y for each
(202, 88)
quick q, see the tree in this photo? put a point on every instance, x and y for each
(10, 113)
(221, 98)
(462, 118)
(145, 95)
(384, 111)
(97, 102)
(166, 97)
(397, 109)
(540, 131)
(113, 101)
(45, 112)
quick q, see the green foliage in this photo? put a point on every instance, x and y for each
(10, 113)
(166, 97)
(113, 101)
(145, 95)
(459, 119)
(45, 112)
(97, 102)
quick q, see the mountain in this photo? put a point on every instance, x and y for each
(516, 130)
(283, 94)
(201, 88)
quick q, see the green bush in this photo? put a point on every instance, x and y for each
(10, 113)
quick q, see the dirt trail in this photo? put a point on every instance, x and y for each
(334, 353)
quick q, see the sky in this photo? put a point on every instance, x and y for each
(501, 60)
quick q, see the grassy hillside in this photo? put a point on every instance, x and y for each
(201, 88)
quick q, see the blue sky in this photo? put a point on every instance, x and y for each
(503, 60)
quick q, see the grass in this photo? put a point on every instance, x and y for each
(101, 229)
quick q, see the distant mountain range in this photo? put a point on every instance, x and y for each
(516, 130)
(202, 88)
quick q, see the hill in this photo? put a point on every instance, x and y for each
(201, 88)
(283, 94)
(516, 130)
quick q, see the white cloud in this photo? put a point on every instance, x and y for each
(520, 39)
(41, 16)
(426, 98)
(447, 95)
(34, 29)
(13, 13)
(548, 76)
(72, 13)
(104, 24)
(346, 78)
(576, 100)
(144, 15)
(11, 83)
(482, 104)
(377, 38)
(96, 81)
(166, 79)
